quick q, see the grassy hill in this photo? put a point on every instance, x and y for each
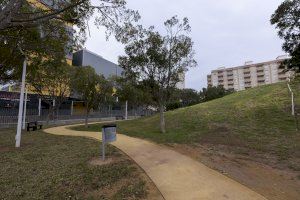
(258, 119)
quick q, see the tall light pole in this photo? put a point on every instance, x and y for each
(21, 103)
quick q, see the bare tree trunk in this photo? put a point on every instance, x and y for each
(162, 118)
(50, 112)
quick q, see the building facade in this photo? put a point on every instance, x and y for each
(102, 66)
(249, 75)
(181, 85)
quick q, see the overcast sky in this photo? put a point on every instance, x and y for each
(226, 33)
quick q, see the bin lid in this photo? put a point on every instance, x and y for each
(109, 126)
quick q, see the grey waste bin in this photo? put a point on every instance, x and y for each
(109, 134)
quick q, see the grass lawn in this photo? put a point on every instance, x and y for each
(57, 167)
(258, 119)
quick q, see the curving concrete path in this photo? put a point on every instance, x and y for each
(177, 176)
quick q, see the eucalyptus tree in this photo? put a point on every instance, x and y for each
(43, 28)
(159, 61)
(90, 87)
(51, 81)
(287, 21)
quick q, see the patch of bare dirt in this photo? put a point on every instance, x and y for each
(5, 149)
(263, 174)
(100, 162)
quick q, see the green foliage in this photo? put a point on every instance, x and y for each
(28, 29)
(157, 62)
(210, 93)
(173, 105)
(15, 44)
(51, 80)
(92, 88)
(133, 92)
(183, 98)
(287, 21)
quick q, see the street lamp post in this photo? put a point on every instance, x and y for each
(21, 103)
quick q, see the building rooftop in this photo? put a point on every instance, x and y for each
(251, 63)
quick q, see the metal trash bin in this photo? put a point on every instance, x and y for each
(109, 134)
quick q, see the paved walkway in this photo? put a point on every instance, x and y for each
(177, 176)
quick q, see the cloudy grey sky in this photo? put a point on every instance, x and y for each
(226, 33)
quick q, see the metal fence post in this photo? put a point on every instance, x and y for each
(103, 144)
(126, 110)
(40, 106)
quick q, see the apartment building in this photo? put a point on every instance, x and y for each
(249, 75)
(181, 84)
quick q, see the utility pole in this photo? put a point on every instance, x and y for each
(21, 103)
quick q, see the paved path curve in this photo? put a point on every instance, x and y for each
(177, 176)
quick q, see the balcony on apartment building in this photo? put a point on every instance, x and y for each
(230, 86)
(246, 70)
(260, 72)
(248, 84)
(261, 77)
(261, 81)
(229, 72)
(230, 81)
(247, 75)
(282, 78)
(282, 74)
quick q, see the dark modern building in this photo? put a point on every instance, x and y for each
(102, 66)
